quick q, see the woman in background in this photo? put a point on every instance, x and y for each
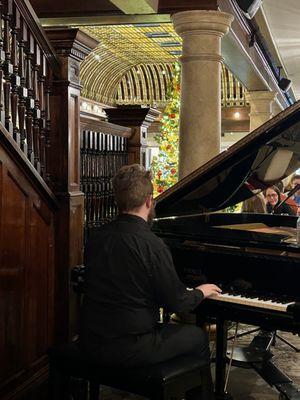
(255, 204)
(273, 198)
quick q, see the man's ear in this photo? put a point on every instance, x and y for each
(148, 201)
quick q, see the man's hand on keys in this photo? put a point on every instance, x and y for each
(209, 290)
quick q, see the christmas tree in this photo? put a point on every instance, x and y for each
(165, 166)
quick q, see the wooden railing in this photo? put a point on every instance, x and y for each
(101, 156)
(27, 65)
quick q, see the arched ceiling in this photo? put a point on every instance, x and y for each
(122, 47)
(133, 64)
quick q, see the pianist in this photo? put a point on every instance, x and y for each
(130, 275)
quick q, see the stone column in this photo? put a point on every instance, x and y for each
(261, 107)
(200, 112)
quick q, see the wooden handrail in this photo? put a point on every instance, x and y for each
(96, 125)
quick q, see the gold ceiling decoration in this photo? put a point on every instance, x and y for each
(133, 64)
(232, 91)
(122, 47)
(145, 84)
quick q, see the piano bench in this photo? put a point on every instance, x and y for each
(164, 381)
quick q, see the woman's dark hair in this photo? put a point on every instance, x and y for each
(284, 208)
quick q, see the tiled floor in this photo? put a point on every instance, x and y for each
(245, 384)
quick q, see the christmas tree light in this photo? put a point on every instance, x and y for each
(165, 166)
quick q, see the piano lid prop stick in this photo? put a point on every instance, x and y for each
(231, 357)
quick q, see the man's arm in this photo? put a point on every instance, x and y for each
(170, 291)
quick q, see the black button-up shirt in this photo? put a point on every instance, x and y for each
(130, 274)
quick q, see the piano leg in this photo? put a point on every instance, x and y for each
(221, 348)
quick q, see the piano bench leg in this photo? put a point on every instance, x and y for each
(94, 390)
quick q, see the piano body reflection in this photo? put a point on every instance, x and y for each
(253, 257)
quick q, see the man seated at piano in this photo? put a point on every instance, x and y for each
(130, 275)
(274, 198)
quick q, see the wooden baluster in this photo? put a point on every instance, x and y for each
(7, 104)
(8, 68)
(14, 113)
(30, 100)
(2, 60)
(15, 79)
(23, 92)
(42, 78)
(48, 177)
(37, 111)
(2, 113)
(21, 41)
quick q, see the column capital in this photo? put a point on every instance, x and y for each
(202, 22)
(71, 42)
(261, 102)
(261, 96)
(72, 46)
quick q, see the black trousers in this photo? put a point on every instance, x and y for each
(165, 342)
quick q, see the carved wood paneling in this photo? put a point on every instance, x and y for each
(26, 276)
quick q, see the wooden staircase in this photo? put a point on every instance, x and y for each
(41, 205)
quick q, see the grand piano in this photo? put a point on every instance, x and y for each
(253, 257)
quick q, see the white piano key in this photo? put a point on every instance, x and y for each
(255, 302)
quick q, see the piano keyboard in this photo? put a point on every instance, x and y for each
(252, 302)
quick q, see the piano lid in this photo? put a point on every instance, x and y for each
(260, 159)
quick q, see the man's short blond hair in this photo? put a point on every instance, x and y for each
(132, 185)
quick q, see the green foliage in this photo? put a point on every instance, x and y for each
(165, 166)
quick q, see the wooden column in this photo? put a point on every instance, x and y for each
(138, 119)
(72, 46)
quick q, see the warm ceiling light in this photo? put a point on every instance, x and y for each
(237, 115)
(175, 52)
(157, 35)
(170, 44)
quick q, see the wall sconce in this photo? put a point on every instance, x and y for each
(283, 83)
